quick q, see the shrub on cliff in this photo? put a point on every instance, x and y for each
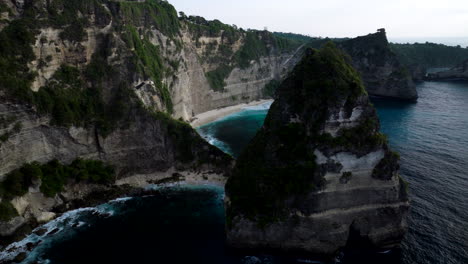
(54, 176)
(17, 182)
(7, 211)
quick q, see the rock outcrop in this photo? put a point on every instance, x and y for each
(459, 73)
(319, 176)
(382, 73)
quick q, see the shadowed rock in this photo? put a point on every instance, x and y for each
(319, 175)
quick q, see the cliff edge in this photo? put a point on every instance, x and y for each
(319, 176)
(459, 73)
(381, 71)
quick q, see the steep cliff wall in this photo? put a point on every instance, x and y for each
(382, 72)
(456, 73)
(319, 175)
(91, 79)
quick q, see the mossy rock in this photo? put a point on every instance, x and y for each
(279, 166)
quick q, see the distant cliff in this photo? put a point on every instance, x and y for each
(319, 176)
(381, 70)
(456, 73)
(430, 55)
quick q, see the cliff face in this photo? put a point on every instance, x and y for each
(92, 79)
(382, 73)
(76, 75)
(184, 65)
(457, 73)
(318, 176)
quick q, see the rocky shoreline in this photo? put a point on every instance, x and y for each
(134, 186)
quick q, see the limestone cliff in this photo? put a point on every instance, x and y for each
(456, 73)
(319, 176)
(382, 72)
(95, 80)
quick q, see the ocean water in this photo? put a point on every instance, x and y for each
(185, 224)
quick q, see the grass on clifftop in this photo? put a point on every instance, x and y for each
(149, 13)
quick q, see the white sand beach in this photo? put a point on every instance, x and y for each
(213, 115)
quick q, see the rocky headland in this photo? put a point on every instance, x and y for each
(382, 72)
(319, 176)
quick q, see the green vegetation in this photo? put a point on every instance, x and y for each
(3, 8)
(67, 100)
(256, 44)
(216, 78)
(15, 130)
(430, 54)
(71, 16)
(270, 88)
(260, 187)
(294, 37)
(7, 211)
(384, 170)
(148, 61)
(182, 135)
(403, 183)
(279, 165)
(17, 182)
(67, 97)
(365, 136)
(326, 79)
(15, 53)
(253, 49)
(156, 13)
(54, 176)
(200, 27)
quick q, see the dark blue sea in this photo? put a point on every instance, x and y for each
(186, 224)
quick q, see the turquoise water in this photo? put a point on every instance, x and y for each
(186, 224)
(232, 133)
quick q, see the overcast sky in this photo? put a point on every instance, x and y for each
(403, 19)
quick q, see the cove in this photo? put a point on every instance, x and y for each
(185, 224)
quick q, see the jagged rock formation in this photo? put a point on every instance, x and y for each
(383, 74)
(318, 176)
(457, 73)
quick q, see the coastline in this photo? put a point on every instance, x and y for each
(213, 115)
(26, 241)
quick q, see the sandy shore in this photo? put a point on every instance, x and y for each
(213, 115)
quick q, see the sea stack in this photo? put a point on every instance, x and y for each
(382, 73)
(318, 176)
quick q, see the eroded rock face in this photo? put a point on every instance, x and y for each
(382, 73)
(457, 73)
(319, 175)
